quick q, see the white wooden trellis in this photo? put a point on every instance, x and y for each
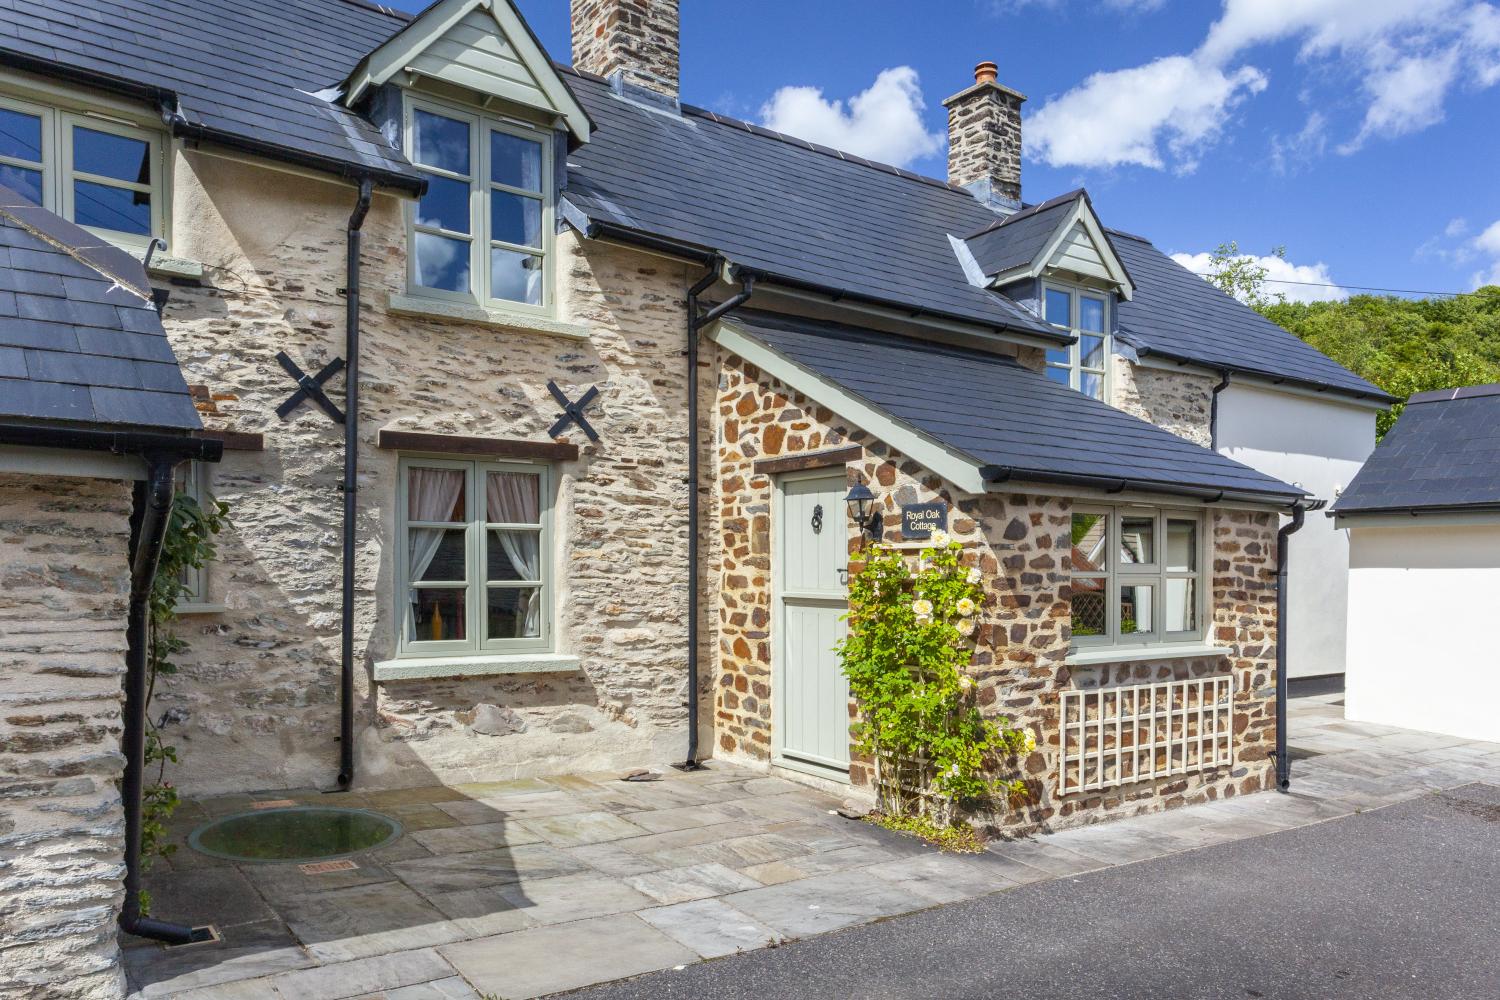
(1119, 735)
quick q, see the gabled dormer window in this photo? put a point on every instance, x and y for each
(483, 231)
(1085, 313)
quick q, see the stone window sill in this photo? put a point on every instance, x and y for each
(435, 667)
(163, 266)
(468, 312)
(199, 609)
(1088, 657)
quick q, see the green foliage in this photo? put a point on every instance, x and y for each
(956, 839)
(1243, 276)
(905, 656)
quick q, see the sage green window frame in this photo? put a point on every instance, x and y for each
(477, 536)
(479, 236)
(1073, 361)
(192, 481)
(58, 175)
(1156, 574)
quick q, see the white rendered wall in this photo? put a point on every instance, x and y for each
(1421, 599)
(1318, 444)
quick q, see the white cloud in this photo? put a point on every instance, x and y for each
(1456, 227)
(1290, 151)
(1488, 243)
(1298, 282)
(1407, 96)
(883, 123)
(1168, 109)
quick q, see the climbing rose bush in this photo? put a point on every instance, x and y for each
(907, 656)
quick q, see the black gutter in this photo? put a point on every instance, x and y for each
(351, 479)
(1283, 762)
(1213, 410)
(1465, 508)
(995, 474)
(695, 324)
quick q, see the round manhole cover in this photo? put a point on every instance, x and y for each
(303, 833)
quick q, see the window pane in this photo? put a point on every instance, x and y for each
(1090, 542)
(107, 207)
(26, 183)
(515, 218)
(1137, 539)
(1088, 607)
(110, 155)
(1090, 314)
(442, 262)
(1135, 609)
(1091, 351)
(440, 142)
(1182, 546)
(20, 135)
(435, 495)
(1182, 605)
(515, 161)
(516, 277)
(513, 498)
(1091, 385)
(438, 555)
(514, 556)
(1060, 375)
(1059, 356)
(437, 614)
(514, 612)
(1059, 307)
(445, 205)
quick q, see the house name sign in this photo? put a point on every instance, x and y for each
(920, 520)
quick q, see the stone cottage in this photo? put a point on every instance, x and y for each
(540, 393)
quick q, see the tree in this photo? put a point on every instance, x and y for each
(1242, 275)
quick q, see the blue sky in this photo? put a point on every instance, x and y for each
(1361, 134)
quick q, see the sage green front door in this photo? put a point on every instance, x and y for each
(811, 695)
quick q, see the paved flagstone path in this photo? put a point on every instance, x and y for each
(525, 888)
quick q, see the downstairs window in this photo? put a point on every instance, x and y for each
(1137, 577)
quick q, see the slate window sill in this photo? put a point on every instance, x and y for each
(163, 266)
(435, 667)
(468, 312)
(1088, 657)
(199, 609)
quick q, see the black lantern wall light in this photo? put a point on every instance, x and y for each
(864, 510)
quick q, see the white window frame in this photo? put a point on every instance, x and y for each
(476, 538)
(1154, 574)
(193, 481)
(1074, 363)
(479, 237)
(58, 174)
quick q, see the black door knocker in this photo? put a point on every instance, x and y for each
(817, 519)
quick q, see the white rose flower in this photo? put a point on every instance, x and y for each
(974, 575)
(964, 683)
(1029, 743)
(940, 539)
(922, 608)
(965, 607)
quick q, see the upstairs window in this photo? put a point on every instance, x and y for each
(102, 175)
(1137, 577)
(483, 231)
(1084, 365)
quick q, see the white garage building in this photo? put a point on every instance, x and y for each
(1423, 518)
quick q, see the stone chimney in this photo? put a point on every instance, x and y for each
(984, 139)
(636, 39)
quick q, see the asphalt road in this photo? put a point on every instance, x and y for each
(1402, 901)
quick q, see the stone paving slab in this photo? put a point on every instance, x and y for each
(711, 927)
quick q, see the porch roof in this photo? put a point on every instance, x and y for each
(979, 418)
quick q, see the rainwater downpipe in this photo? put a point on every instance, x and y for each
(350, 485)
(1299, 513)
(695, 324)
(1213, 411)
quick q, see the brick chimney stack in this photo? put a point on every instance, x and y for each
(984, 139)
(636, 39)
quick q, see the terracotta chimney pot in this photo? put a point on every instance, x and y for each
(986, 72)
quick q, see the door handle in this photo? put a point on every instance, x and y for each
(844, 576)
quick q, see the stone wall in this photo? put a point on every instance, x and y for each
(256, 703)
(984, 140)
(635, 37)
(1176, 401)
(64, 588)
(1021, 543)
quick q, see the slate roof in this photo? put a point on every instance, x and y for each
(242, 73)
(1002, 414)
(1443, 453)
(80, 340)
(1177, 315)
(1015, 241)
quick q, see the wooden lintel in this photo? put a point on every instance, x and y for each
(237, 440)
(809, 460)
(456, 444)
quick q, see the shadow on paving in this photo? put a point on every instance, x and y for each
(1393, 902)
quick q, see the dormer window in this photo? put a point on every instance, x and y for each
(1083, 312)
(483, 231)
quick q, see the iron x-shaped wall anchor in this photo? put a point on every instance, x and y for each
(572, 412)
(311, 387)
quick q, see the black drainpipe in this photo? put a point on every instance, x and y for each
(695, 325)
(1299, 513)
(351, 481)
(1213, 411)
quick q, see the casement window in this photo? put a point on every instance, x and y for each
(1085, 313)
(1137, 576)
(103, 175)
(192, 481)
(474, 557)
(483, 231)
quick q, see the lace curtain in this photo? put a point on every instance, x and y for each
(431, 495)
(515, 498)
